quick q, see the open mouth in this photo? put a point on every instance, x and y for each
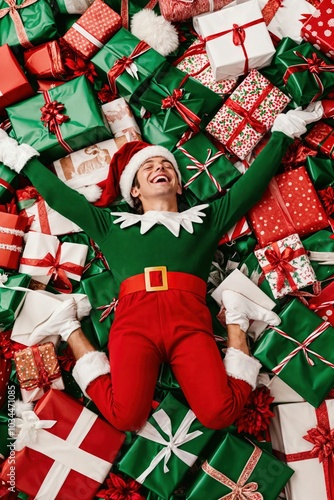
(160, 179)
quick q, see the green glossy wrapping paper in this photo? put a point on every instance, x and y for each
(321, 171)
(122, 44)
(151, 131)
(319, 245)
(9, 182)
(143, 451)
(38, 22)
(269, 474)
(85, 125)
(214, 178)
(11, 300)
(197, 98)
(312, 382)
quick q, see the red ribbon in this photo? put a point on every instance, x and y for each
(125, 62)
(195, 49)
(107, 309)
(57, 269)
(188, 116)
(15, 16)
(52, 117)
(98, 255)
(238, 37)
(270, 9)
(315, 65)
(280, 262)
(30, 193)
(45, 378)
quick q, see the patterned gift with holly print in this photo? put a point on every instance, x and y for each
(286, 265)
(319, 28)
(197, 65)
(247, 114)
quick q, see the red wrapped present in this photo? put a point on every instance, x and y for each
(323, 304)
(93, 29)
(67, 452)
(319, 28)
(14, 86)
(12, 228)
(176, 10)
(321, 137)
(289, 205)
(37, 370)
(45, 61)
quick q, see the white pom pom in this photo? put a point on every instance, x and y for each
(3, 278)
(91, 193)
(83, 307)
(20, 407)
(155, 30)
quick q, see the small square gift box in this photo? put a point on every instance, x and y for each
(289, 205)
(318, 29)
(285, 18)
(300, 351)
(93, 29)
(303, 437)
(26, 23)
(237, 40)
(68, 449)
(45, 258)
(59, 121)
(286, 265)
(253, 473)
(121, 120)
(45, 61)
(37, 370)
(321, 137)
(205, 170)
(14, 85)
(126, 64)
(195, 62)
(173, 10)
(165, 447)
(247, 114)
(307, 74)
(12, 231)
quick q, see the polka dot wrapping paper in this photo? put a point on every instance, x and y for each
(93, 29)
(319, 29)
(289, 205)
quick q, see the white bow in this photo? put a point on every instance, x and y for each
(26, 428)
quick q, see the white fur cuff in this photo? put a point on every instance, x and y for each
(91, 366)
(241, 366)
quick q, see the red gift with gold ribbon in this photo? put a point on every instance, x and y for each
(321, 137)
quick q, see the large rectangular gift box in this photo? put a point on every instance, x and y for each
(300, 351)
(59, 121)
(12, 230)
(93, 29)
(286, 265)
(303, 437)
(289, 205)
(237, 39)
(251, 470)
(318, 29)
(151, 459)
(37, 370)
(68, 452)
(247, 114)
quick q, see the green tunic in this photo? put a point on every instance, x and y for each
(128, 252)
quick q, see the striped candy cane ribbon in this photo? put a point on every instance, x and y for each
(202, 167)
(107, 309)
(303, 346)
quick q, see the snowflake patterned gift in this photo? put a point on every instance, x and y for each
(286, 265)
(247, 114)
(196, 63)
(319, 29)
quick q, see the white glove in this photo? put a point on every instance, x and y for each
(240, 310)
(63, 321)
(293, 123)
(12, 155)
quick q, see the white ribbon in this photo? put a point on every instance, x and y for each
(26, 428)
(87, 35)
(172, 446)
(324, 258)
(132, 70)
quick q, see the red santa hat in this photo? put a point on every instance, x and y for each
(124, 166)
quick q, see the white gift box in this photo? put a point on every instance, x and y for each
(227, 59)
(57, 223)
(287, 430)
(279, 390)
(121, 120)
(39, 245)
(289, 17)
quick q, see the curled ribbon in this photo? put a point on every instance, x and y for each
(173, 101)
(52, 115)
(12, 10)
(280, 262)
(108, 309)
(202, 167)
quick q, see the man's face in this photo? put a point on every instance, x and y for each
(156, 179)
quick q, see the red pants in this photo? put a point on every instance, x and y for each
(174, 327)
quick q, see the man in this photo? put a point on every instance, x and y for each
(161, 259)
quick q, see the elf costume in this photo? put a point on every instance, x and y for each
(161, 315)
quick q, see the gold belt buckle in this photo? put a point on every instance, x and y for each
(158, 288)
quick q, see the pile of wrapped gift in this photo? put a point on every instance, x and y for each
(80, 78)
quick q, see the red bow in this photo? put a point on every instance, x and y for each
(247, 116)
(327, 198)
(323, 440)
(279, 262)
(173, 101)
(52, 115)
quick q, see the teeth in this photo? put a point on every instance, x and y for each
(160, 177)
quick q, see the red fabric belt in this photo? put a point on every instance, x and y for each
(156, 279)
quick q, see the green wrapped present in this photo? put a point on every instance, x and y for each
(8, 183)
(307, 74)
(300, 351)
(61, 120)
(204, 169)
(95, 260)
(11, 300)
(25, 23)
(151, 131)
(165, 447)
(320, 250)
(321, 171)
(126, 63)
(179, 102)
(239, 469)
